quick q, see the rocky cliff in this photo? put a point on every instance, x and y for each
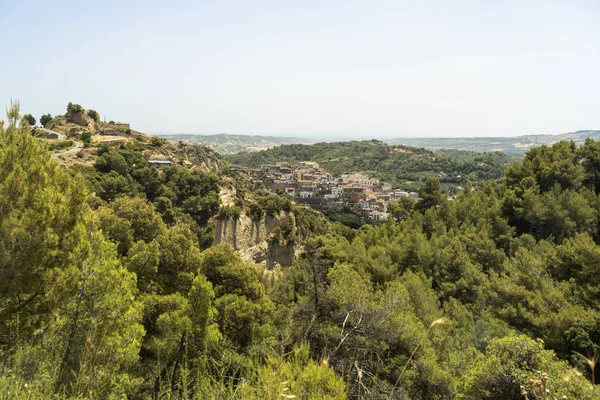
(265, 241)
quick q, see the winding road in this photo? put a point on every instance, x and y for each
(78, 146)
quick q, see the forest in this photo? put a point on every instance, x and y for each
(111, 288)
(402, 166)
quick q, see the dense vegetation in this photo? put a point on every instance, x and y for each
(62, 145)
(490, 296)
(347, 216)
(393, 164)
(178, 194)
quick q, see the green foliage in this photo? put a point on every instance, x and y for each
(244, 310)
(401, 209)
(86, 138)
(93, 115)
(229, 212)
(393, 164)
(62, 145)
(121, 294)
(73, 109)
(270, 205)
(256, 212)
(510, 362)
(29, 119)
(156, 141)
(124, 130)
(431, 193)
(273, 204)
(70, 321)
(183, 193)
(294, 376)
(45, 119)
(346, 216)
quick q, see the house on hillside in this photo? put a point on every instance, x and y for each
(305, 194)
(55, 135)
(159, 163)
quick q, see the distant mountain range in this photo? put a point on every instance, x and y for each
(231, 144)
(517, 145)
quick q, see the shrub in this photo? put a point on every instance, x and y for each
(45, 119)
(276, 236)
(273, 204)
(346, 216)
(156, 141)
(229, 212)
(54, 123)
(30, 119)
(256, 212)
(86, 137)
(65, 144)
(74, 109)
(93, 114)
(103, 149)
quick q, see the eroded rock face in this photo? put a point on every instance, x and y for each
(258, 241)
(79, 119)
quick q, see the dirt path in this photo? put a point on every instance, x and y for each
(78, 146)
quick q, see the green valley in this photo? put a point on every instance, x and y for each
(402, 166)
(125, 277)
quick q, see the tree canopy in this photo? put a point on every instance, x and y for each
(111, 286)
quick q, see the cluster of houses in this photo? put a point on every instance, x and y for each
(309, 184)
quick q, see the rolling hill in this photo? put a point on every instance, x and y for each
(402, 166)
(517, 145)
(230, 144)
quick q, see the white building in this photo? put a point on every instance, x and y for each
(305, 194)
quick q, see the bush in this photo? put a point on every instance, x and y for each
(229, 212)
(103, 149)
(74, 109)
(65, 144)
(273, 204)
(30, 119)
(346, 216)
(156, 141)
(276, 236)
(93, 115)
(124, 130)
(45, 119)
(54, 123)
(256, 212)
(86, 137)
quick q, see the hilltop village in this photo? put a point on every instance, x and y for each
(307, 183)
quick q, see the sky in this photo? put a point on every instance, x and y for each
(316, 69)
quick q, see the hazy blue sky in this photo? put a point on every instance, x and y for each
(309, 68)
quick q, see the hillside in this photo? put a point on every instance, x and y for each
(516, 145)
(122, 280)
(400, 165)
(126, 279)
(76, 137)
(227, 144)
(230, 144)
